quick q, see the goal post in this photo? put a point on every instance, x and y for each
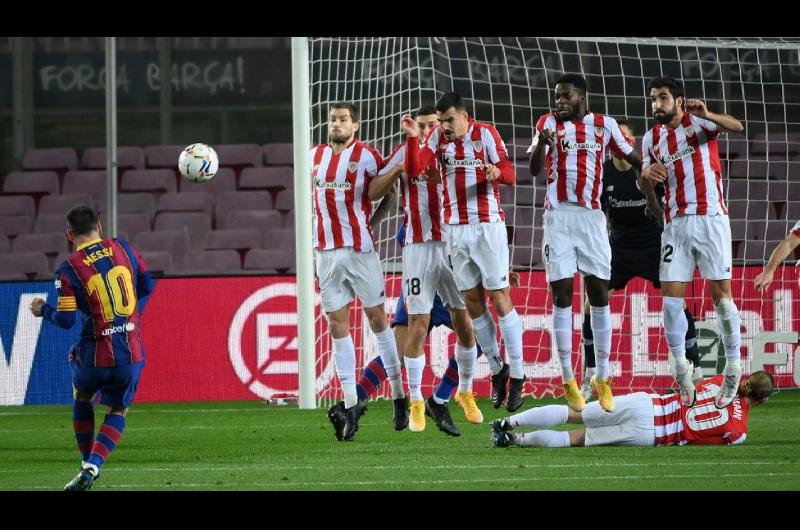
(508, 81)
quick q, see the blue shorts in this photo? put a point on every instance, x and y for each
(440, 316)
(117, 385)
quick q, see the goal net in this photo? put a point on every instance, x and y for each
(509, 82)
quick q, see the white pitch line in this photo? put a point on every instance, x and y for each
(461, 481)
(263, 467)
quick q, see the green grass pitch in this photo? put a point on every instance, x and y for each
(252, 446)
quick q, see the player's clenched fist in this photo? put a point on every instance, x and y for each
(655, 172)
(409, 126)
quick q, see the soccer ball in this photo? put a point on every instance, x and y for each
(198, 162)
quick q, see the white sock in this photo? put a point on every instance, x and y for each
(675, 327)
(589, 373)
(466, 360)
(540, 417)
(601, 330)
(414, 368)
(344, 355)
(562, 329)
(486, 333)
(387, 349)
(511, 330)
(730, 324)
(542, 439)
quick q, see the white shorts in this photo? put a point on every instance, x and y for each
(426, 270)
(696, 241)
(479, 253)
(575, 239)
(344, 273)
(631, 423)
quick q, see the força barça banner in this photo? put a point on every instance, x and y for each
(235, 338)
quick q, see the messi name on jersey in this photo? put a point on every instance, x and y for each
(105, 252)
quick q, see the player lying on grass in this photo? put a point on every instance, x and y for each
(642, 419)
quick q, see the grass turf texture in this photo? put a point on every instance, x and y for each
(251, 446)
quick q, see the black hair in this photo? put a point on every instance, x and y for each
(424, 110)
(450, 99)
(626, 123)
(674, 86)
(82, 219)
(349, 106)
(575, 80)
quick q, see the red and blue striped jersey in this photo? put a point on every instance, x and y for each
(106, 280)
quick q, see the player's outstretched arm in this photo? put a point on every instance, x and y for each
(725, 122)
(384, 182)
(781, 252)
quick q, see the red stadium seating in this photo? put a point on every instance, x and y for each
(278, 154)
(128, 157)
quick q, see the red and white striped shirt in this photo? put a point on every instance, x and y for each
(702, 424)
(342, 208)
(694, 173)
(422, 203)
(467, 196)
(575, 162)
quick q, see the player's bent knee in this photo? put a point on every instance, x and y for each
(377, 318)
(501, 300)
(577, 438)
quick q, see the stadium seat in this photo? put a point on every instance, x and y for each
(523, 216)
(738, 229)
(285, 201)
(776, 231)
(269, 260)
(157, 261)
(12, 225)
(215, 261)
(149, 180)
(732, 148)
(388, 250)
(751, 210)
(522, 236)
(793, 209)
(518, 148)
(240, 200)
(49, 243)
(524, 194)
(754, 252)
(61, 204)
(243, 239)
(756, 230)
(137, 203)
(31, 265)
(288, 219)
(507, 195)
(36, 183)
(748, 169)
(176, 242)
(128, 157)
(775, 145)
(261, 178)
(56, 158)
(224, 180)
(736, 190)
(190, 201)
(278, 154)
(94, 182)
(17, 205)
(5, 243)
(278, 238)
(50, 223)
(196, 224)
(261, 220)
(523, 173)
(237, 156)
(131, 224)
(162, 156)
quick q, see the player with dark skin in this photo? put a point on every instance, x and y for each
(571, 105)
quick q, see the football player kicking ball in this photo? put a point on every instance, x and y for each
(642, 419)
(108, 282)
(681, 151)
